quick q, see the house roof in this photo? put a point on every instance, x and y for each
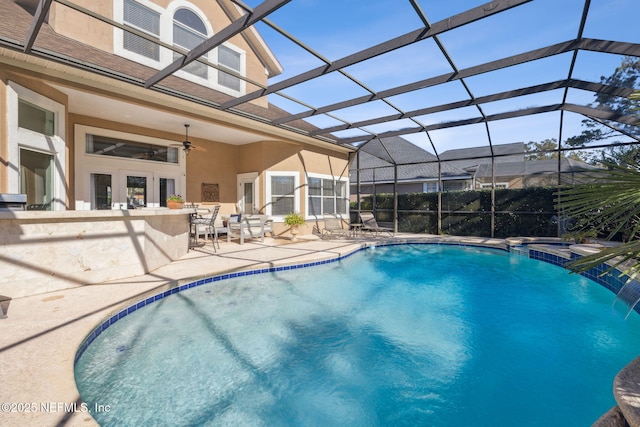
(515, 149)
(414, 163)
(469, 158)
(534, 167)
(461, 163)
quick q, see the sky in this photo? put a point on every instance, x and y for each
(337, 28)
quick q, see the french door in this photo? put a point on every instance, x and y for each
(135, 190)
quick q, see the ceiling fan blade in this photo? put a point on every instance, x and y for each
(195, 147)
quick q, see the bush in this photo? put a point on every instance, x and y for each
(519, 212)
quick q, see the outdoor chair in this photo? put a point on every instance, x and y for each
(370, 224)
(333, 227)
(208, 223)
(246, 227)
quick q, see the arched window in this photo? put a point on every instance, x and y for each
(188, 32)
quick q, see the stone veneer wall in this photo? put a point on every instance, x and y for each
(46, 251)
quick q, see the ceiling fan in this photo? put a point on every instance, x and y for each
(150, 154)
(186, 145)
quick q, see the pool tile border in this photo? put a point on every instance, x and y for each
(95, 333)
(611, 281)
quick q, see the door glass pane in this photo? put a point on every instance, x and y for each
(248, 198)
(136, 192)
(36, 179)
(167, 188)
(101, 191)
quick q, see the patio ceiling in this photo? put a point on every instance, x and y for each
(444, 76)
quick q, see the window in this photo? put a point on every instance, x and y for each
(36, 179)
(172, 33)
(454, 185)
(230, 59)
(327, 196)
(282, 193)
(430, 187)
(115, 147)
(35, 118)
(188, 32)
(144, 19)
(36, 148)
(498, 185)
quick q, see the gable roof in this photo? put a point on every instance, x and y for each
(534, 167)
(414, 163)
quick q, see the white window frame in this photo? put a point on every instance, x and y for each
(23, 138)
(242, 71)
(168, 24)
(345, 180)
(118, 36)
(426, 185)
(499, 185)
(166, 36)
(296, 193)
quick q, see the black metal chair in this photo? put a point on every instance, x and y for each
(209, 226)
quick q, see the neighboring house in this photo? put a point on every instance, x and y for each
(84, 137)
(512, 170)
(461, 169)
(535, 173)
(417, 170)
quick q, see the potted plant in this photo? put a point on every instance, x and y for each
(294, 220)
(175, 201)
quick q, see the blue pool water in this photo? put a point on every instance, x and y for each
(399, 335)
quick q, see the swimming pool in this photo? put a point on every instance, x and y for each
(411, 335)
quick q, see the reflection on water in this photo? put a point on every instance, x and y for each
(419, 335)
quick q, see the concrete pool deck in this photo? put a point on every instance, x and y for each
(40, 335)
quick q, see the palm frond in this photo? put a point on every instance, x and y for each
(623, 258)
(609, 205)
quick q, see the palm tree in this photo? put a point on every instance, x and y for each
(611, 206)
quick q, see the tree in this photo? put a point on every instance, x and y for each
(543, 150)
(627, 75)
(548, 149)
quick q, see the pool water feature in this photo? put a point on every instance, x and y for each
(412, 335)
